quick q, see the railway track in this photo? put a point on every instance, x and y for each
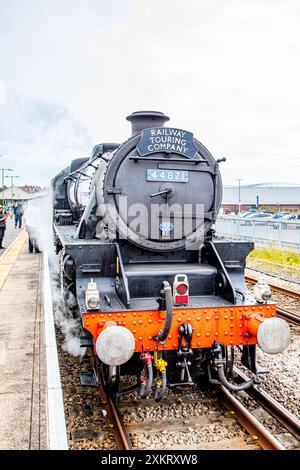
(258, 436)
(264, 438)
(190, 420)
(289, 421)
(120, 433)
(279, 289)
(285, 313)
(127, 434)
(288, 315)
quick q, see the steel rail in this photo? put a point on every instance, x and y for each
(278, 289)
(121, 437)
(288, 315)
(264, 438)
(282, 312)
(289, 421)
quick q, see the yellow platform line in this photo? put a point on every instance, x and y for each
(9, 257)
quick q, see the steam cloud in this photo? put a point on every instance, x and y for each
(63, 303)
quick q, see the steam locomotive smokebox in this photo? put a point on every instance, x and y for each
(160, 190)
(171, 175)
(141, 120)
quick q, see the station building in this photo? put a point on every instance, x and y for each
(14, 194)
(277, 197)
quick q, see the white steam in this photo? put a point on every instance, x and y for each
(63, 304)
(65, 321)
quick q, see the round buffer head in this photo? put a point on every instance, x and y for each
(115, 345)
(273, 335)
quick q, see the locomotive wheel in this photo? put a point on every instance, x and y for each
(229, 358)
(67, 294)
(111, 377)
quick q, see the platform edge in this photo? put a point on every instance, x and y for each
(56, 424)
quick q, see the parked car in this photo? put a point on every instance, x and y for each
(258, 217)
(280, 215)
(290, 221)
(247, 214)
(225, 211)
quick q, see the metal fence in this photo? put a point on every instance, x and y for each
(282, 235)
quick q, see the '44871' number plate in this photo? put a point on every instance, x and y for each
(176, 176)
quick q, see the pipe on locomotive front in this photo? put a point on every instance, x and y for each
(168, 299)
(228, 385)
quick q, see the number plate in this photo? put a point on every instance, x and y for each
(176, 176)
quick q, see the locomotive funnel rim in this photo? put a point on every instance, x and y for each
(141, 120)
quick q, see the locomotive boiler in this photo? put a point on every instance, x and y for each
(159, 296)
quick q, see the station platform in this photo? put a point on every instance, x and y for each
(23, 411)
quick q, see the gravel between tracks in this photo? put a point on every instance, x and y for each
(189, 424)
(197, 437)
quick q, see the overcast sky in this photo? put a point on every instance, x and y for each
(227, 70)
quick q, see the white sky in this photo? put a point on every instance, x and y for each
(227, 70)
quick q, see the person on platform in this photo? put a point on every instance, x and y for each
(19, 211)
(7, 210)
(3, 218)
(32, 217)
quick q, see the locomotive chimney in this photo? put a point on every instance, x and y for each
(141, 120)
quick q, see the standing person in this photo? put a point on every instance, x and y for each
(19, 211)
(3, 217)
(13, 210)
(7, 210)
(32, 216)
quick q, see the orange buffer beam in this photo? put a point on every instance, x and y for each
(227, 325)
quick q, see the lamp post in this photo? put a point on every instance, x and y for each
(12, 185)
(2, 172)
(239, 181)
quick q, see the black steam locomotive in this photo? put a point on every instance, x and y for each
(158, 295)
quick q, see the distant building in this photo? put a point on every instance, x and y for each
(273, 196)
(15, 194)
